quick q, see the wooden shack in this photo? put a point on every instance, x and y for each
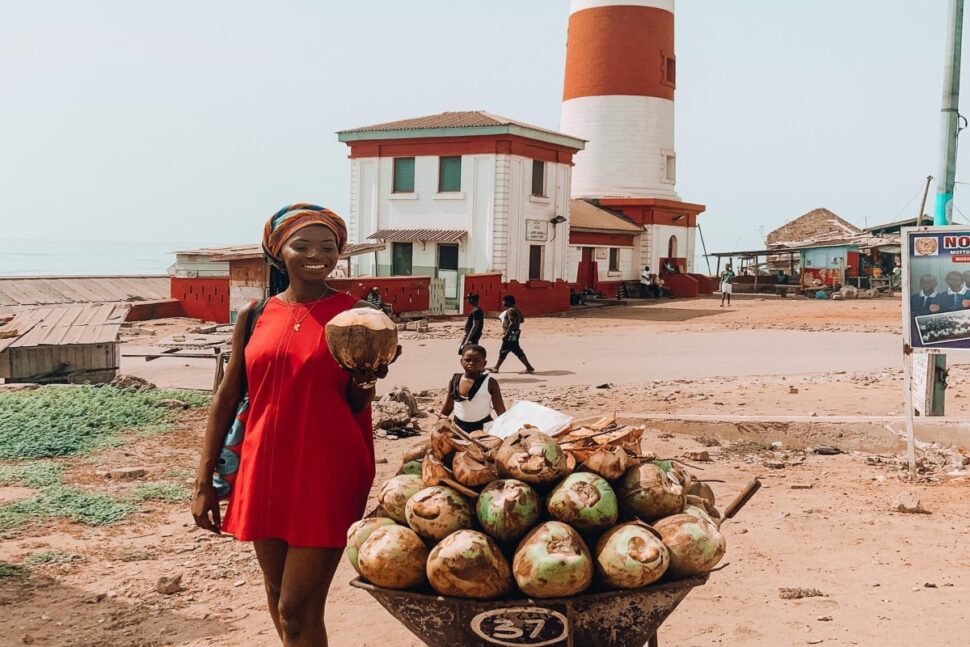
(67, 344)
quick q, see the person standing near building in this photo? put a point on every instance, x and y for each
(927, 300)
(512, 319)
(645, 282)
(727, 279)
(474, 324)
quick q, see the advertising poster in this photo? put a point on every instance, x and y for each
(936, 310)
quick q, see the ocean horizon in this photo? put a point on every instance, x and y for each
(87, 257)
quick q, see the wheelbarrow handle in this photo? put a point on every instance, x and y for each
(743, 497)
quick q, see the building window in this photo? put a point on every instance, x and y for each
(670, 167)
(535, 262)
(447, 257)
(671, 70)
(614, 259)
(403, 175)
(449, 174)
(672, 248)
(401, 259)
(538, 178)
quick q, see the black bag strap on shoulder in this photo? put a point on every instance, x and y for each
(252, 315)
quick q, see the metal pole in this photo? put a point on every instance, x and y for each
(707, 258)
(908, 407)
(922, 205)
(950, 117)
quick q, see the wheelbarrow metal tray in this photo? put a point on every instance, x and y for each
(625, 618)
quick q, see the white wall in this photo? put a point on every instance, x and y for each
(629, 263)
(659, 240)
(627, 139)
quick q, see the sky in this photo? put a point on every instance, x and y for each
(196, 120)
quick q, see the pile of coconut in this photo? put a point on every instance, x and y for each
(476, 516)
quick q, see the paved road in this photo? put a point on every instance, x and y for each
(629, 356)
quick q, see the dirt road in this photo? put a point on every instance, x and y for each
(821, 523)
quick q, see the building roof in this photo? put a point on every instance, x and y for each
(816, 226)
(30, 291)
(88, 323)
(585, 216)
(243, 252)
(458, 124)
(419, 235)
(895, 226)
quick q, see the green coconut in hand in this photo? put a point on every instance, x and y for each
(585, 501)
(394, 494)
(358, 533)
(469, 564)
(507, 509)
(631, 555)
(436, 512)
(552, 561)
(695, 544)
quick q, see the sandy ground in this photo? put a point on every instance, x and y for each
(886, 578)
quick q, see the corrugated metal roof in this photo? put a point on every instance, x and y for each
(466, 119)
(60, 326)
(586, 216)
(242, 252)
(419, 235)
(18, 291)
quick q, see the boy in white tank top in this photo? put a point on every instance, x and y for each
(473, 395)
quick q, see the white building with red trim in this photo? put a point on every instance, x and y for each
(461, 193)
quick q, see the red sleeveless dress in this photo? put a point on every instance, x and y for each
(307, 461)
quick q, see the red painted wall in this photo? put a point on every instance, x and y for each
(705, 284)
(683, 286)
(163, 309)
(203, 298)
(404, 293)
(532, 297)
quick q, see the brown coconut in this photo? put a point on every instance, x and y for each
(433, 471)
(649, 493)
(471, 472)
(469, 564)
(393, 557)
(695, 544)
(362, 339)
(359, 532)
(531, 456)
(609, 462)
(394, 494)
(436, 512)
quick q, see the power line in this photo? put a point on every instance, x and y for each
(906, 206)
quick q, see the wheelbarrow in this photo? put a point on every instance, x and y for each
(628, 618)
(625, 618)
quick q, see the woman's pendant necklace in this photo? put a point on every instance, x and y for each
(298, 324)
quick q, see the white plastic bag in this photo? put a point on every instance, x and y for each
(548, 421)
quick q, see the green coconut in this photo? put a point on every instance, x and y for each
(411, 467)
(704, 509)
(507, 509)
(469, 564)
(552, 561)
(585, 501)
(394, 494)
(677, 471)
(630, 556)
(358, 533)
(393, 557)
(649, 493)
(695, 544)
(531, 456)
(436, 512)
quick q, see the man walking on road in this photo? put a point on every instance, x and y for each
(473, 325)
(727, 278)
(512, 319)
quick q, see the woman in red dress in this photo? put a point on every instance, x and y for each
(307, 458)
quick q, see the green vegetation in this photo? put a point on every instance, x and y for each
(50, 557)
(36, 474)
(89, 508)
(170, 492)
(63, 421)
(11, 570)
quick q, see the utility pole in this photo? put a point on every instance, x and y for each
(922, 205)
(946, 179)
(950, 117)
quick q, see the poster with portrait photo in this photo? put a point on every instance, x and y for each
(936, 304)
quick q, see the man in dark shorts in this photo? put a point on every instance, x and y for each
(512, 319)
(474, 325)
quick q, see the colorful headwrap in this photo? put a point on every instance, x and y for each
(288, 220)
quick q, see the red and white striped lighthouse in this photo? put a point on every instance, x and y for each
(618, 94)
